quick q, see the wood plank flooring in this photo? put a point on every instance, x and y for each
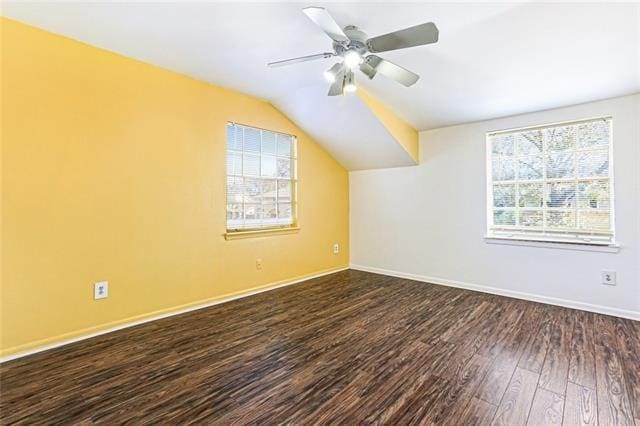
(351, 347)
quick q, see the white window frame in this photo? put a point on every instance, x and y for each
(545, 237)
(276, 224)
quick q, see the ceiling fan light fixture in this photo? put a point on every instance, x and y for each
(350, 83)
(331, 74)
(352, 59)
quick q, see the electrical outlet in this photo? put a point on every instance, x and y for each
(258, 263)
(609, 277)
(101, 290)
(336, 248)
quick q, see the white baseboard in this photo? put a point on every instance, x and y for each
(433, 280)
(599, 309)
(168, 314)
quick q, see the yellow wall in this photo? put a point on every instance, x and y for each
(401, 131)
(113, 169)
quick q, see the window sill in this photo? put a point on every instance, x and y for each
(239, 235)
(604, 248)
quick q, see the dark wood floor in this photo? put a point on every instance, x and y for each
(352, 347)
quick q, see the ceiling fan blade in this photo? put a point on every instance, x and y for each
(300, 59)
(409, 37)
(367, 70)
(392, 71)
(337, 87)
(321, 18)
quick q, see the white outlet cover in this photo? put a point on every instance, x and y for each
(609, 277)
(101, 290)
(336, 249)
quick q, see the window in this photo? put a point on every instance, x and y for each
(261, 179)
(551, 183)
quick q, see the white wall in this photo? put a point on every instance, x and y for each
(428, 221)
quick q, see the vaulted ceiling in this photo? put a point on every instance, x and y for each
(491, 60)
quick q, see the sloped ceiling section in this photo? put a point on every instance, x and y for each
(346, 127)
(401, 131)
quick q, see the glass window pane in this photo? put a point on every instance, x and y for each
(251, 212)
(284, 211)
(593, 220)
(504, 217)
(529, 142)
(230, 163)
(268, 165)
(252, 190)
(561, 218)
(284, 167)
(530, 195)
(251, 163)
(235, 187)
(234, 163)
(233, 141)
(284, 191)
(561, 194)
(503, 169)
(561, 138)
(269, 191)
(234, 213)
(284, 145)
(593, 195)
(530, 168)
(239, 137)
(504, 195)
(560, 165)
(251, 139)
(269, 212)
(531, 218)
(593, 163)
(268, 142)
(503, 144)
(594, 134)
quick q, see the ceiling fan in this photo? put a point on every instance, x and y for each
(355, 49)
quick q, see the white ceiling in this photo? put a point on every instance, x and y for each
(492, 60)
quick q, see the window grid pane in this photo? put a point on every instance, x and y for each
(551, 182)
(261, 180)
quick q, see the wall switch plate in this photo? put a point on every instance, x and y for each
(258, 263)
(101, 290)
(609, 277)
(336, 248)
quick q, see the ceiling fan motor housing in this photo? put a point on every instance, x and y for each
(357, 41)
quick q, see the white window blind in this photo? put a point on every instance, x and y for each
(261, 178)
(552, 183)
